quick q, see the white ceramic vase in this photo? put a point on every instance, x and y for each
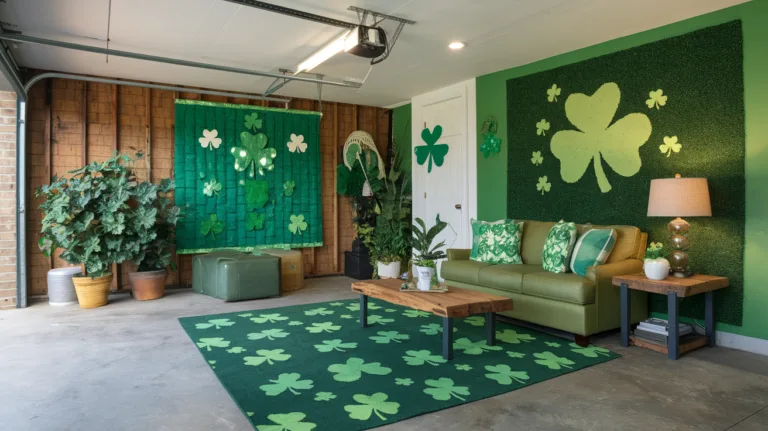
(656, 269)
(425, 277)
(388, 270)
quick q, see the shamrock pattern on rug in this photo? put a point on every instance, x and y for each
(312, 367)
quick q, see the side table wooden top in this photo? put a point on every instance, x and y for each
(683, 287)
(454, 303)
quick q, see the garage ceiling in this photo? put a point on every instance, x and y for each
(499, 34)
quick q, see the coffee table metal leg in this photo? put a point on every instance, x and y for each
(673, 322)
(363, 311)
(709, 316)
(447, 338)
(490, 329)
(626, 314)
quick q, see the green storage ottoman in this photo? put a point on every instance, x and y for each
(236, 276)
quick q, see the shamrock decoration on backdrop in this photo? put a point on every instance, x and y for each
(212, 226)
(670, 145)
(288, 187)
(253, 153)
(256, 194)
(254, 221)
(553, 92)
(209, 139)
(600, 138)
(297, 144)
(491, 143)
(212, 187)
(657, 99)
(536, 158)
(431, 150)
(543, 186)
(542, 127)
(298, 225)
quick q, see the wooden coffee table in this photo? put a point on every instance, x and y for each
(452, 304)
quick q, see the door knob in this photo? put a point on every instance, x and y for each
(457, 206)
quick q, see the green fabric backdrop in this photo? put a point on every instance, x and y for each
(701, 74)
(195, 165)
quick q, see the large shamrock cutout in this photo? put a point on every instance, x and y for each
(432, 150)
(253, 121)
(209, 139)
(212, 226)
(298, 225)
(254, 221)
(618, 143)
(256, 194)
(253, 153)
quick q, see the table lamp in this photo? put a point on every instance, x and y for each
(679, 197)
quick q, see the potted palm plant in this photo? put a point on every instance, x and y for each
(426, 255)
(154, 223)
(86, 216)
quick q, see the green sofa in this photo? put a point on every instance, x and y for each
(567, 301)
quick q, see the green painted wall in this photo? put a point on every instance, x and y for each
(492, 172)
(401, 133)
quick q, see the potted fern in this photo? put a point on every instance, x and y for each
(86, 216)
(154, 223)
(426, 255)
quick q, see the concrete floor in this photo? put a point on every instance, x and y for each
(130, 366)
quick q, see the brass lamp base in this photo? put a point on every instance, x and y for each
(678, 258)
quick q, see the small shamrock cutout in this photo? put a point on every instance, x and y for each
(297, 144)
(209, 139)
(553, 92)
(253, 121)
(403, 382)
(543, 186)
(298, 225)
(657, 99)
(670, 145)
(432, 150)
(212, 226)
(536, 158)
(542, 127)
(254, 221)
(288, 187)
(212, 187)
(463, 367)
(324, 396)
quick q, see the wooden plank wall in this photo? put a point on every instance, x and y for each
(72, 122)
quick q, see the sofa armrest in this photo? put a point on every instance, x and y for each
(607, 296)
(459, 253)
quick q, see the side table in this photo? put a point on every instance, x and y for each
(675, 288)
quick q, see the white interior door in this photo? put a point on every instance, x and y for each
(448, 190)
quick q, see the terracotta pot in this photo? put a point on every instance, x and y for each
(148, 285)
(92, 292)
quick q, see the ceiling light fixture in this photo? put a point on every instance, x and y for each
(347, 40)
(456, 45)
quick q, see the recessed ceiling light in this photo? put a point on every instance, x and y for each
(455, 45)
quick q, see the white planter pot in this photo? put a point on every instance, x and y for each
(656, 269)
(425, 274)
(388, 270)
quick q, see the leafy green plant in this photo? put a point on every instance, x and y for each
(655, 251)
(422, 242)
(391, 240)
(102, 214)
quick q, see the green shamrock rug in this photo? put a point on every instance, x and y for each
(311, 367)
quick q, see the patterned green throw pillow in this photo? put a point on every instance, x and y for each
(557, 249)
(592, 248)
(499, 243)
(478, 227)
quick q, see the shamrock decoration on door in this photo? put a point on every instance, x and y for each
(253, 153)
(432, 150)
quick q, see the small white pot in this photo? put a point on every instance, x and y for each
(425, 277)
(656, 269)
(388, 270)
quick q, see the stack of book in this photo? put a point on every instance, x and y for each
(657, 330)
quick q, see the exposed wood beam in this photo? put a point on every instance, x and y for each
(148, 131)
(115, 137)
(335, 185)
(84, 126)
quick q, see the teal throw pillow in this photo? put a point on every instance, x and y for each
(499, 243)
(557, 249)
(592, 248)
(478, 227)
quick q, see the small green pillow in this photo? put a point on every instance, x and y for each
(478, 227)
(557, 249)
(592, 248)
(499, 243)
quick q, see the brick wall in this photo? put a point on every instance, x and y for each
(7, 200)
(71, 122)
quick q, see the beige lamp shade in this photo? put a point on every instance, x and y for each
(679, 197)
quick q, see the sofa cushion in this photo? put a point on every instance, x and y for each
(567, 287)
(465, 271)
(592, 248)
(534, 237)
(629, 242)
(558, 247)
(499, 243)
(506, 277)
(478, 227)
